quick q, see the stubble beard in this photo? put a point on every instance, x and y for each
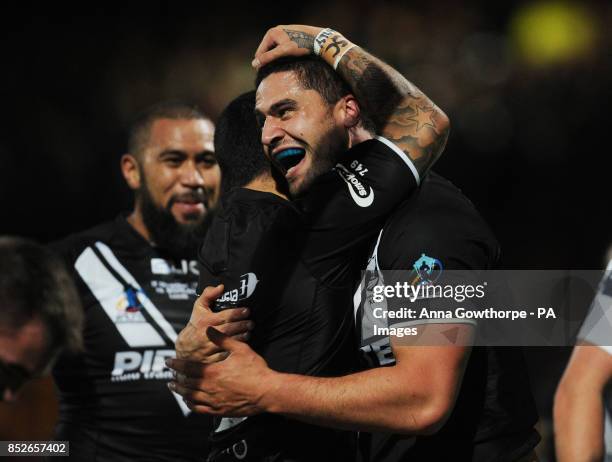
(331, 146)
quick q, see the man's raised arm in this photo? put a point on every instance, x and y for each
(399, 110)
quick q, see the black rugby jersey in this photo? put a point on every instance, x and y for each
(114, 401)
(295, 266)
(494, 412)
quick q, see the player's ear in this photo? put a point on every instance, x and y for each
(130, 170)
(348, 111)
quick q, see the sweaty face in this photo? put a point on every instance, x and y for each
(23, 355)
(179, 168)
(300, 131)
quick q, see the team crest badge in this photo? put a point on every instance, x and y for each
(428, 269)
(129, 306)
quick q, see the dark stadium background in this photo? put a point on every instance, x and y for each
(526, 85)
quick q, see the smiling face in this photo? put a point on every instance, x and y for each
(302, 134)
(175, 175)
(179, 169)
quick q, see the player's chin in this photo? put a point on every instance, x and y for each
(300, 179)
(298, 186)
(188, 214)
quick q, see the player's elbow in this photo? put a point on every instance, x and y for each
(442, 122)
(433, 141)
(435, 415)
(428, 419)
(442, 131)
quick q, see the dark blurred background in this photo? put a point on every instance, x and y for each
(526, 85)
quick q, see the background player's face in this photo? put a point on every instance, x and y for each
(301, 132)
(179, 167)
(23, 354)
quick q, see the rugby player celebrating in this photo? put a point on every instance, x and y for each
(309, 121)
(295, 266)
(494, 415)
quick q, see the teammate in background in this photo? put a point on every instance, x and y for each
(583, 431)
(40, 315)
(137, 276)
(479, 407)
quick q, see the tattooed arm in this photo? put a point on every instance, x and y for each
(399, 110)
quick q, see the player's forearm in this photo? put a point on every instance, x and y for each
(373, 400)
(578, 424)
(400, 111)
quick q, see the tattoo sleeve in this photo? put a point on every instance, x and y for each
(398, 109)
(303, 39)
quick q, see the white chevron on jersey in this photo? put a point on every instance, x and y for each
(371, 267)
(146, 303)
(109, 292)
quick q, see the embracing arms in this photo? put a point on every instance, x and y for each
(415, 396)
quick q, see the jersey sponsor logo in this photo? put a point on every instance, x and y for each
(428, 269)
(175, 290)
(362, 195)
(247, 285)
(165, 267)
(146, 365)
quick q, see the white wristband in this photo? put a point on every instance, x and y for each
(320, 40)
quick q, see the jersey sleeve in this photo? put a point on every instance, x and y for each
(597, 327)
(346, 208)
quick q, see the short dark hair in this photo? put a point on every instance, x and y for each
(312, 73)
(35, 283)
(140, 129)
(238, 143)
